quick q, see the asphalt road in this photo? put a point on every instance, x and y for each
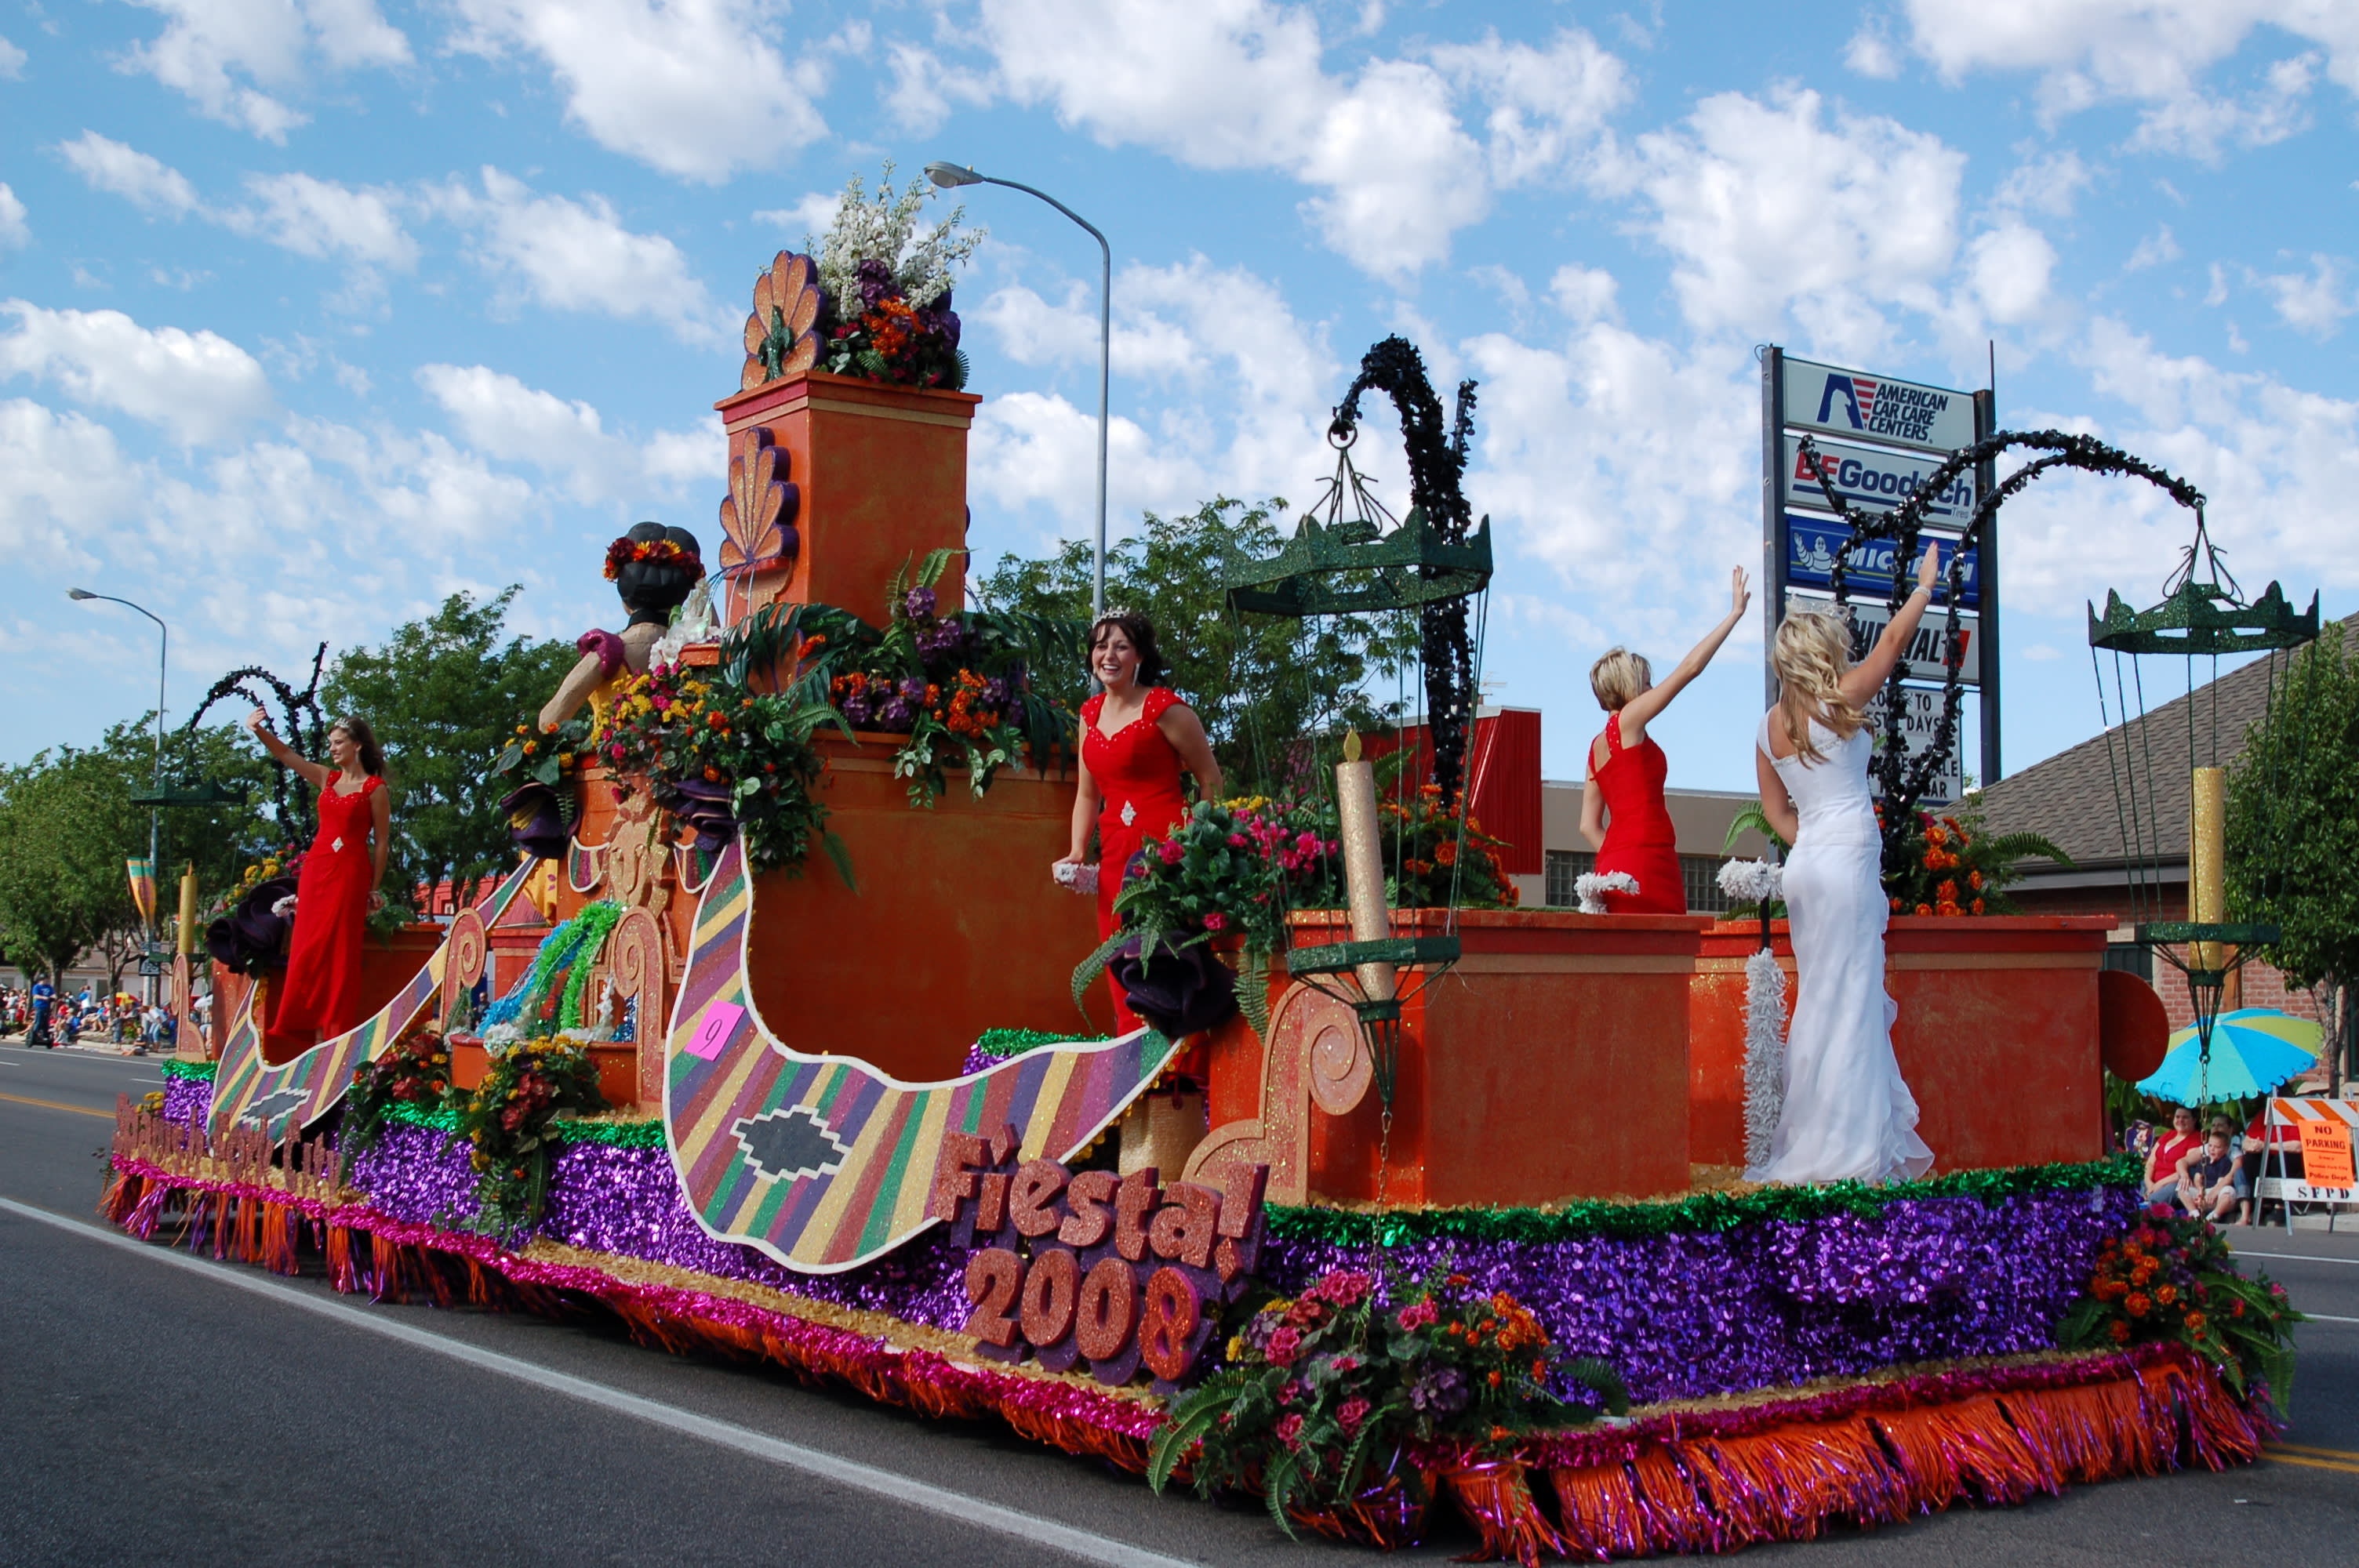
(160, 1407)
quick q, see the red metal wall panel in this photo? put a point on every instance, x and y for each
(1503, 776)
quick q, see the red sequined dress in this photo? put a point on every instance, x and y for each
(323, 990)
(1137, 773)
(1639, 837)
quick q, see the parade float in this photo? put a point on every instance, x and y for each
(768, 1046)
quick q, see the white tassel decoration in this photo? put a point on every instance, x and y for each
(1750, 881)
(1591, 888)
(1765, 1053)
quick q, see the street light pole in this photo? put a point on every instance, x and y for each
(948, 175)
(163, 662)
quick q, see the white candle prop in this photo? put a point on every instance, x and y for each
(1364, 862)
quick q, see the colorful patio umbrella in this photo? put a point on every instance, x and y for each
(2253, 1049)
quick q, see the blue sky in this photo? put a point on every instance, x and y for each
(313, 311)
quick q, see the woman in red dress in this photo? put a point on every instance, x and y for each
(1622, 811)
(1136, 737)
(337, 889)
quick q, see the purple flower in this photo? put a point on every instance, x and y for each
(913, 690)
(1442, 1391)
(876, 284)
(920, 604)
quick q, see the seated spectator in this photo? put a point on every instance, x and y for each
(2170, 1149)
(2207, 1177)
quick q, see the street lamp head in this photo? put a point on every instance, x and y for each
(949, 176)
(80, 593)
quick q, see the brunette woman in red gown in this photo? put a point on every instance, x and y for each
(337, 889)
(1136, 737)
(1622, 811)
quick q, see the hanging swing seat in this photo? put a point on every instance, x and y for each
(1353, 567)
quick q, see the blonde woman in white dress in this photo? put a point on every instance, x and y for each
(1847, 1114)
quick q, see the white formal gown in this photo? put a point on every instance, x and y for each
(1848, 1114)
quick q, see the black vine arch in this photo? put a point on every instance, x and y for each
(307, 730)
(1903, 779)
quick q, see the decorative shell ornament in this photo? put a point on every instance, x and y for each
(757, 516)
(782, 334)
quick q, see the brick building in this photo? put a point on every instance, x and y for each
(2077, 799)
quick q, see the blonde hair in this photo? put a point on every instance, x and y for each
(1618, 677)
(1811, 654)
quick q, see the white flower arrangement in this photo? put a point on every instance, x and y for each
(1752, 882)
(879, 228)
(499, 1037)
(1591, 888)
(284, 908)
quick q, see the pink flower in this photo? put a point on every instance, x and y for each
(1343, 1287)
(1417, 1314)
(1172, 853)
(1289, 1391)
(1216, 920)
(1237, 840)
(1307, 844)
(1352, 1414)
(1289, 1429)
(1284, 1346)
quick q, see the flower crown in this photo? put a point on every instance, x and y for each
(624, 551)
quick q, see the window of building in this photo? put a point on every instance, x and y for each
(1700, 873)
(2134, 957)
(1562, 868)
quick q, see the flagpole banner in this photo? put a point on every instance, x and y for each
(142, 887)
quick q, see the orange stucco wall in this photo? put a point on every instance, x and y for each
(1997, 1036)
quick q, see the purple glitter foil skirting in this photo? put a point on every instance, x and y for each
(1763, 1305)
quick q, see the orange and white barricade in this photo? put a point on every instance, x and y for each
(2324, 1131)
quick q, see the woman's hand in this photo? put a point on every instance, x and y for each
(1929, 569)
(376, 900)
(256, 723)
(1740, 595)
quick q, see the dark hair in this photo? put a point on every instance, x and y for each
(651, 591)
(1141, 632)
(372, 755)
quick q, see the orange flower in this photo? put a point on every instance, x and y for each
(1947, 893)
(1924, 909)
(1975, 881)
(1445, 853)
(2166, 1293)
(1936, 836)
(2138, 1304)
(2196, 1320)
(1978, 907)
(2119, 1330)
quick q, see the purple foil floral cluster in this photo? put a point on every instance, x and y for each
(186, 1100)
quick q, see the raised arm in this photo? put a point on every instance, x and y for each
(313, 774)
(1865, 679)
(1655, 697)
(1186, 733)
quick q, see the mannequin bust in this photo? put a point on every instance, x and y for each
(654, 569)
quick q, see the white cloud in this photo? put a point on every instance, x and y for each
(1547, 105)
(2153, 251)
(320, 218)
(569, 255)
(2153, 52)
(1870, 51)
(194, 387)
(2009, 268)
(57, 473)
(221, 54)
(924, 90)
(1767, 208)
(807, 219)
(2314, 302)
(1245, 393)
(1227, 84)
(2277, 464)
(12, 61)
(2049, 186)
(15, 233)
(698, 89)
(498, 415)
(1585, 293)
(148, 183)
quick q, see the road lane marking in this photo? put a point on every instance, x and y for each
(54, 1105)
(890, 1484)
(2328, 1317)
(2309, 1464)
(2294, 1257)
(2317, 1453)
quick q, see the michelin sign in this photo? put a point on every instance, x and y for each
(1844, 401)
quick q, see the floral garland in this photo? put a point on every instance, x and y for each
(202, 1072)
(1323, 1392)
(507, 1122)
(2174, 1280)
(627, 551)
(726, 760)
(414, 1072)
(1956, 868)
(892, 341)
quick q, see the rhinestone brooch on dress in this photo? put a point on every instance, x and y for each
(338, 846)
(1129, 813)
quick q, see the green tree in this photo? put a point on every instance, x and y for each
(1258, 681)
(444, 695)
(2293, 819)
(67, 826)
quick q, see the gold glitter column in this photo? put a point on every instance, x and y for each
(188, 943)
(1363, 861)
(2207, 886)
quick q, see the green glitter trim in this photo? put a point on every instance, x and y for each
(202, 1072)
(1002, 1043)
(1605, 1219)
(614, 1134)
